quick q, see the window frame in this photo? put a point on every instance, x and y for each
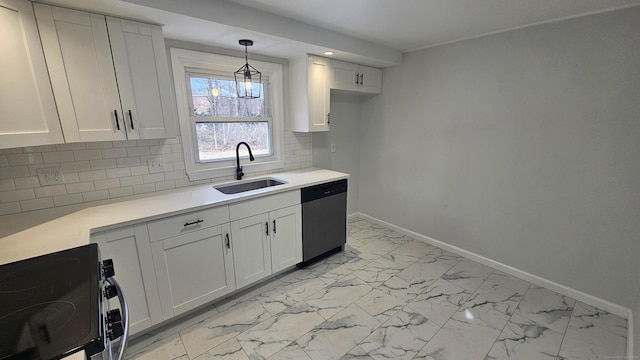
(188, 61)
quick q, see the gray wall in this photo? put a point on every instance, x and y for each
(523, 147)
(345, 134)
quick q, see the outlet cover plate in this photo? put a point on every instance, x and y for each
(155, 166)
(50, 176)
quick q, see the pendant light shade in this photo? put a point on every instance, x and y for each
(248, 79)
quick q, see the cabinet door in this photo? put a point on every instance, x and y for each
(286, 237)
(343, 76)
(76, 47)
(251, 249)
(370, 80)
(318, 92)
(141, 68)
(193, 269)
(28, 115)
(133, 264)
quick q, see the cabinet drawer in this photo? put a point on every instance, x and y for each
(185, 223)
(264, 204)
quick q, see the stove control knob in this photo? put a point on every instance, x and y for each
(113, 316)
(114, 324)
(110, 291)
(107, 268)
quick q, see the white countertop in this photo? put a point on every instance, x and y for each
(75, 229)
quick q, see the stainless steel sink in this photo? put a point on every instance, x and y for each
(247, 186)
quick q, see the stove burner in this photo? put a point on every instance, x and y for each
(37, 274)
(39, 326)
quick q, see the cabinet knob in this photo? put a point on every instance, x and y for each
(357, 78)
(266, 228)
(131, 119)
(274, 226)
(227, 242)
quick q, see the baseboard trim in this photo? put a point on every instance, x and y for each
(537, 280)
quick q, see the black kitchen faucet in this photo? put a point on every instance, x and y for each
(239, 172)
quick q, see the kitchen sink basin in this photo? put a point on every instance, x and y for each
(247, 186)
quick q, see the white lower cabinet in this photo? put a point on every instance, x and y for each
(251, 249)
(266, 243)
(130, 250)
(286, 237)
(193, 269)
(171, 265)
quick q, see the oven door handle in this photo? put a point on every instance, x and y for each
(124, 313)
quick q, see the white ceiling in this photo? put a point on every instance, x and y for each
(372, 32)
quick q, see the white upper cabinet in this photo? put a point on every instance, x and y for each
(143, 78)
(109, 76)
(352, 77)
(28, 115)
(310, 97)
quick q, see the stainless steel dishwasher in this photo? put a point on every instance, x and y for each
(324, 220)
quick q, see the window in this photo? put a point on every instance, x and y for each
(222, 120)
(213, 120)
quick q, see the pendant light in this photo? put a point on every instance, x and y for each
(247, 76)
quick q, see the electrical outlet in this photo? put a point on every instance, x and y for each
(155, 166)
(333, 148)
(50, 176)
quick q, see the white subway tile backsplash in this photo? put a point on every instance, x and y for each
(107, 184)
(99, 145)
(121, 191)
(151, 178)
(10, 208)
(80, 187)
(94, 154)
(7, 184)
(71, 177)
(92, 175)
(71, 199)
(48, 191)
(139, 170)
(103, 171)
(39, 149)
(118, 173)
(71, 146)
(16, 195)
(37, 204)
(128, 161)
(95, 195)
(165, 185)
(24, 159)
(144, 188)
(131, 180)
(114, 153)
(26, 182)
(138, 150)
(103, 164)
(12, 172)
(57, 156)
(76, 166)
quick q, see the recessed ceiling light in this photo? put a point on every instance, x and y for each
(328, 53)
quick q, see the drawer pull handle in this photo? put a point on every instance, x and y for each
(193, 223)
(226, 241)
(266, 228)
(274, 226)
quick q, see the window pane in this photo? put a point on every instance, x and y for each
(218, 97)
(218, 140)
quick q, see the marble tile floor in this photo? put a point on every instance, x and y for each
(390, 297)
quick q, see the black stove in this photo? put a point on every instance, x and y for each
(50, 306)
